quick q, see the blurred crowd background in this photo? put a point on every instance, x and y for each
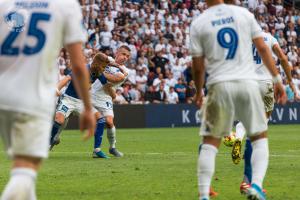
(157, 32)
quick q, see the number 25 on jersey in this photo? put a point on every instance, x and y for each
(8, 48)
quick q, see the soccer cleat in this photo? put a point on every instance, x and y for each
(212, 193)
(55, 142)
(236, 153)
(115, 152)
(244, 186)
(229, 140)
(255, 193)
(99, 154)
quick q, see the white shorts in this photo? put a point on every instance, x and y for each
(267, 91)
(104, 107)
(25, 134)
(68, 105)
(233, 100)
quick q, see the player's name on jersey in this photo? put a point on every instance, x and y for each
(222, 21)
(31, 5)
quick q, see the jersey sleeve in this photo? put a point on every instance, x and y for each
(273, 41)
(74, 29)
(256, 30)
(196, 49)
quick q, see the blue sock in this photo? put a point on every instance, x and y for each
(247, 158)
(55, 128)
(99, 133)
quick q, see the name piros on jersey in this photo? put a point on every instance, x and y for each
(222, 21)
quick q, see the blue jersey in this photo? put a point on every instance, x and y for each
(71, 91)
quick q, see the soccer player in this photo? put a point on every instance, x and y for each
(221, 41)
(103, 102)
(71, 103)
(266, 88)
(31, 35)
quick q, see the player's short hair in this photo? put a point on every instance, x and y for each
(125, 47)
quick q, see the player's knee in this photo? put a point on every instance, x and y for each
(60, 118)
(27, 162)
(212, 141)
(109, 122)
(259, 136)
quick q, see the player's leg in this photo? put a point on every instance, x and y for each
(97, 153)
(67, 106)
(267, 92)
(206, 164)
(247, 167)
(236, 153)
(111, 136)
(64, 125)
(240, 131)
(27, 140)
(58, 122)
(217, 121)
(255, 122)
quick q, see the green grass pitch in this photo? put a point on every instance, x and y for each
(159, 164)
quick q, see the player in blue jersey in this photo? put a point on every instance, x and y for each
(71, 103)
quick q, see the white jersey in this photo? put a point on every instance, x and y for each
(223, 35)
(98, 93)
(31, 34)
(261, 70)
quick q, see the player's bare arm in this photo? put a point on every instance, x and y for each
(285, 64)
(198, 71)
(266, 56)
(81, 82)
(62, 83)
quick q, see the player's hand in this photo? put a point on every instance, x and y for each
(88, 123)
(279, 92)
(199, 99)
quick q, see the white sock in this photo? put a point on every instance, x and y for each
(21, 185)
(240, 131)
(259, 160)
(206, 168)
(97, 150)
(111, 136)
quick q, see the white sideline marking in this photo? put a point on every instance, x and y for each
(169, 153)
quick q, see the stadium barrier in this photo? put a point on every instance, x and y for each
(180, 115)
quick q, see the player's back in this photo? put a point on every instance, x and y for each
(261, 70)
(31, 34)
(223, 35)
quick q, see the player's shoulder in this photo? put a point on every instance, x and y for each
(67, 2)
(66, 6)
(200, 19)
(238, 10)
(268, 36)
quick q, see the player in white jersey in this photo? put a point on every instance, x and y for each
(103, 102)
(31, 34)
(221, 40)
(266, 89)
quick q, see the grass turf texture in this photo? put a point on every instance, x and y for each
(158, 164)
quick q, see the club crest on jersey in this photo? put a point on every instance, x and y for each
(16, 20)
